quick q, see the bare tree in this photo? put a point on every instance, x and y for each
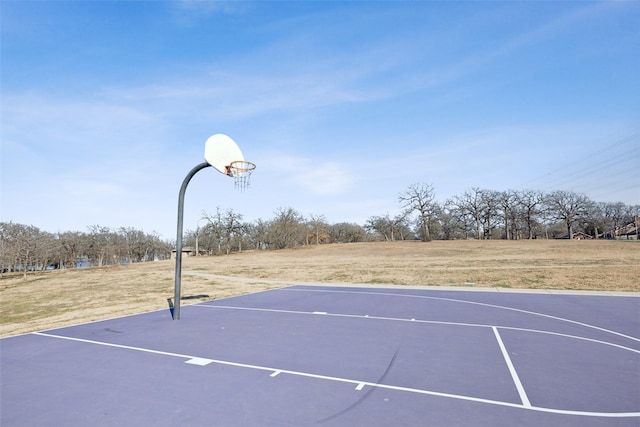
(460, 221)
(224, 230)
(20, 244)
(6, 258)
(450, 223)
(568, 207)
(389, 228)
(318, 229)
(259, 233)
(233, 229)
(402, 227)
(490, 211)
(470, 203)
(140, 246)
(420, 199)
(530, 207)
(287, 229)
(46, 248)
(614, 214)
(212, 232)
(593, 221)
(72, 247)
(448, 220)
(345, 232)
(380, 225)
(507, 201)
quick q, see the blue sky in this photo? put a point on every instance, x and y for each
(105, 106)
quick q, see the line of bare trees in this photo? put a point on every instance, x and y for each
(27, 248)
(475, 214)
(225, 232)
(489, 214)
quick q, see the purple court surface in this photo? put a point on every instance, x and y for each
(338, 356)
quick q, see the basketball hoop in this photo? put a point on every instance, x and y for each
(219, 150)
(240, 171)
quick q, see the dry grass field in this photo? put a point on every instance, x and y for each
(57, 298)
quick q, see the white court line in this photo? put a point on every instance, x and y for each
(431, 322)
(199, 361)
(358, 383)
(512, 370)
(534, 313)
(191, 359)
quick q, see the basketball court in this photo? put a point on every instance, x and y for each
(338, 356)
(320, 355)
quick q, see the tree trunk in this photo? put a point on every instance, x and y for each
(426, 235)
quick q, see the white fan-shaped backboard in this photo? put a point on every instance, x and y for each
(220, 150)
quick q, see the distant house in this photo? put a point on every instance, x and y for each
(629, 231)
(581, 236)
(186, 251)
(577, 236)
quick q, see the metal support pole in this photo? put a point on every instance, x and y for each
(183, 189)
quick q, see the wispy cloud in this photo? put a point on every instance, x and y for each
(327, 178)
(313, 176)
(187, 12)
(289, 81)
(237, 95)
(72, 126)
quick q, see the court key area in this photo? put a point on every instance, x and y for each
(338, 356)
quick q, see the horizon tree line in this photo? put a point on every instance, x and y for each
(27, 248)
(475, 214)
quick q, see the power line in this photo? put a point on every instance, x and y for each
(614, 167)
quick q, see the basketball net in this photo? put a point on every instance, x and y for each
(240, 171)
